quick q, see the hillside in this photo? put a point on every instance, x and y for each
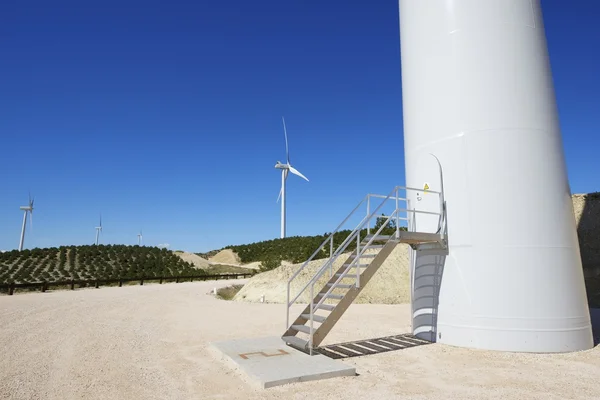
(390, 285)
(294, 249)
(92, 262)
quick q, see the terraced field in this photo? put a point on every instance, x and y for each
(92, 262)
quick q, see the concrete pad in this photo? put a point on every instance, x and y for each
(268, 362)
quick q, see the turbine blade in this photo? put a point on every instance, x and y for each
(279, 196)
(296, 172)
(287, 150)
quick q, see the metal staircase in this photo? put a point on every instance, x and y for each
(340, 289)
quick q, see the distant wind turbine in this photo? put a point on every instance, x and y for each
(26, 209)
(284, 173)
(98, 230)
(140, 238)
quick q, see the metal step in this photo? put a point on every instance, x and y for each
(348, 275)
(326, 307)
(379, 237)
(355, 265)
(317, 318)
(301, 328)
(353, 256)
(296, 342)
(340, 285)
(331, 296)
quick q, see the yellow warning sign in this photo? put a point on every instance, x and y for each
(425, 188)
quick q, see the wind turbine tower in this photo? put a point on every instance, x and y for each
(140, 238)
(26, 209)
(284, 173)
(98, 230)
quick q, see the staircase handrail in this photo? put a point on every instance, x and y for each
(330, 261)
(330, 237)
(344, 244)
(356, 260)
(355, 232)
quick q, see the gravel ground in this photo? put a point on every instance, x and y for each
(150, 342)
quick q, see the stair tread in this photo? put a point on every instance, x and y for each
(301, 328)
(341, 285)
(353, 256)
(327, 307)
(295, 342)
(317, 318)
(355, 265)
(331, 296)
(379, 237)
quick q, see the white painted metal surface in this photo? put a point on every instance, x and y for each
(478, 93)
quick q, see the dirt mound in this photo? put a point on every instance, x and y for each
(390, 285)
(196, 260)
(226, 256)
(587, 217)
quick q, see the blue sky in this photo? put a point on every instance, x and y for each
(166, 116)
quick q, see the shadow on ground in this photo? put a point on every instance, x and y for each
(371, 346)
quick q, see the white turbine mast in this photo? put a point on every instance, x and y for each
(26, 209)
(98, 230)
(140, 238)
(284, 173)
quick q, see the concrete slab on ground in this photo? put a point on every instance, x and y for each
(268, 362)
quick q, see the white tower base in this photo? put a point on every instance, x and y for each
(478, 94)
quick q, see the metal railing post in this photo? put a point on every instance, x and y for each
(331, 258)
(357, 260)
(408, 216)
(368, 213)
(441, 197)
(397, 217)
(287, 304)
(312, 312)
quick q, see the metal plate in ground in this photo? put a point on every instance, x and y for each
(370, 346)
